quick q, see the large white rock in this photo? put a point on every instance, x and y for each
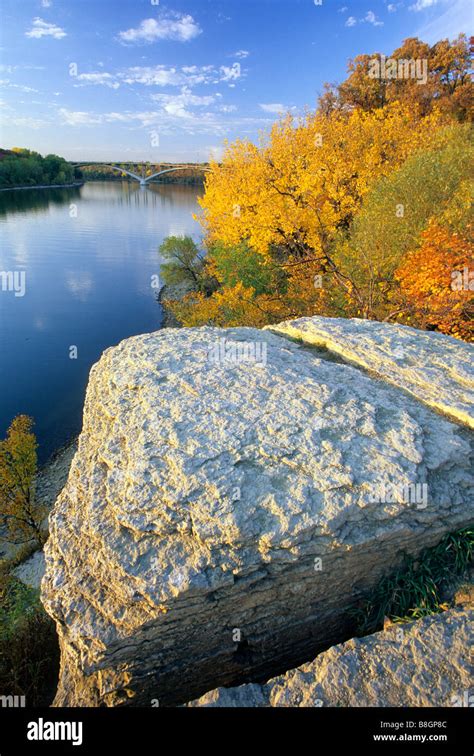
(223, 514)
(424, 663)
(436, 368)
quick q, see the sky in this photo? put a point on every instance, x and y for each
(171, 80)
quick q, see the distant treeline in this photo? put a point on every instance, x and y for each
(21, 167)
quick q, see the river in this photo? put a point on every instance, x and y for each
(78, 274)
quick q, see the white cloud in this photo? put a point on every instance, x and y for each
(227, 108)
(174, 26)
(41, 28)
(28, 123)
(371, 18)
(46, 3)
(391, 8)
(176, 105)
(169, 121)
(241, 54)
(78, 117)
(351, 21)
(83, 118)
(230, 73)
(154, 76)
(7, 83)
(99, 78)
(164, 76)
(9, 69)
(169, 76)
(422, 5)
(273, 107)
(456, 18)
(186, 76)
(344, 9)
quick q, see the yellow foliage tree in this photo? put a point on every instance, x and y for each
(230, 306)
(20, 512)
(290, 197)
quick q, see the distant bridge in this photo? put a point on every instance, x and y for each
(143, 180)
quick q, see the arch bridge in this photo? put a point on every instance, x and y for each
(143, 180)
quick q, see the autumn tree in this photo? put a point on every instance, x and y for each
(442, 80)
(317, 217)
(230, 306)
(290, 198)
(20, 513)
(394, 214)
(437, 283)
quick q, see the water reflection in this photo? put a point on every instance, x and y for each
(28, 200)
(88, 284)
(110, 192)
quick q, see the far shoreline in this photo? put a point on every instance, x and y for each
(43, 186)
(94, 181)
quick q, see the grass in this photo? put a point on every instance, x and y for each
(418, 587)
(29, 651)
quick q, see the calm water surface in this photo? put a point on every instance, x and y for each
(88, 283)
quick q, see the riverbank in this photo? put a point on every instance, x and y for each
(42, 186)
(169, 292)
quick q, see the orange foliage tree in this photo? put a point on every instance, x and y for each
(437, 283)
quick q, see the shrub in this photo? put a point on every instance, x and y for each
(29, 650)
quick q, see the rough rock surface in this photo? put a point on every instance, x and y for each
(435, 368)
(31, 571)
(425, 663)
(221, 515)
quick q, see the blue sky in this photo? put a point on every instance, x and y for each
(171, 80)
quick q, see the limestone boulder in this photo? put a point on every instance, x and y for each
(424, 663)
(232, 497)
(435, 368)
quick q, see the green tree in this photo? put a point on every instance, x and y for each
(240, 263)
(20, 513)
(185, 262)
(20, 167)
